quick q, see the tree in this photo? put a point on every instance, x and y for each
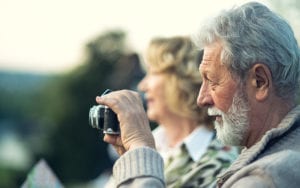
(77, 152)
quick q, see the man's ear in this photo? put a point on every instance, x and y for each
(261, 81)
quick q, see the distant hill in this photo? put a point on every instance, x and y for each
(12, 82)
(20, 92)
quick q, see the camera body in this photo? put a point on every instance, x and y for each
(103, 118)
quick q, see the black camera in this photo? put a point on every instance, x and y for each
(103, 118)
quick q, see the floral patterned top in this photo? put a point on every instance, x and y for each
(183, 171)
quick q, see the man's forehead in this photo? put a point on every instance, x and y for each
(211, 55)
(211, 52)
(208, 56)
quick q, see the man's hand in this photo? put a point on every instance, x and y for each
(134, 124)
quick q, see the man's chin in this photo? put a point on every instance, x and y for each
(218, 124)
(225, 138)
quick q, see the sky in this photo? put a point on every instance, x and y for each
(48, 36)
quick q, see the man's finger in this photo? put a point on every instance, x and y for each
(113, 139)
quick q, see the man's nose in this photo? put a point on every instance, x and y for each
(204, 97)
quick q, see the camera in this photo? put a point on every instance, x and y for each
(103, 118)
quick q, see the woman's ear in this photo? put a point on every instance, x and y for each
(261, 81)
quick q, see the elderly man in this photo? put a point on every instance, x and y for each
(250, 71)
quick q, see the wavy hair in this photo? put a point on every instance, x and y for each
(252, 34)
(178, 59)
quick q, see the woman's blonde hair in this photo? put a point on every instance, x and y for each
(179, 60)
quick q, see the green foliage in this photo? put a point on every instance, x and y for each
(11, 178)
(77, 152)
(50, 113)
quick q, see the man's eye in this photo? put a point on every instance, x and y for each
(210, 81)
(212, 84)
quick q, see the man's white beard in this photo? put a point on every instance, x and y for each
(235, 122)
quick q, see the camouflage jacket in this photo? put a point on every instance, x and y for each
(203, 173)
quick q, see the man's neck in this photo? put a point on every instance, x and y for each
(266, 117)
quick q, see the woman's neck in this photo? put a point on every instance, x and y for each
(177, 128)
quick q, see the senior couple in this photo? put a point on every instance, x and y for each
(250, 78)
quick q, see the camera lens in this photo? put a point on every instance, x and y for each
(103, 118)
(96, 116)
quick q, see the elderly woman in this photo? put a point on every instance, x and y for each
(185, 137)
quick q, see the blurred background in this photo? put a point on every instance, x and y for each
(57, 56)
